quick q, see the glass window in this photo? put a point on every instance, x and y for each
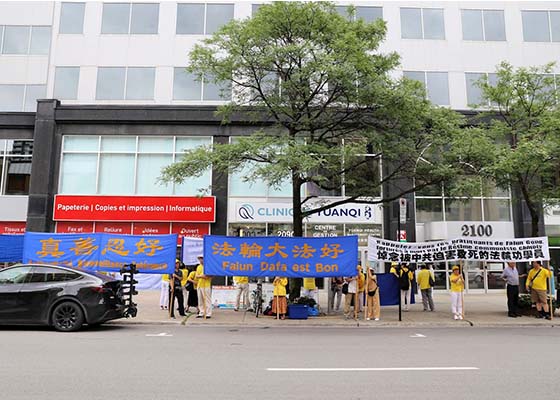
(497, 210)
(463, 210)
(18, 174)
(434, 26)
(250, 230)
(110, 83)
(191, 186)
(369, 14)
(43, 274)
(324, 230)
(555, 25)
(40, 40)
(217, 15)
(15, 275)
(78, 172)
(535, 26)
(255, 8)
(190, 19)
(474, 93)
(11, 97)
(145, 18)
(118, 144)
(438, 87)
(115, 183)
(185, 87)
(155, 144)
(32, 94)
(283, 230)
(494, 25)
(19, 147)
(66, 83)
(115, 18)
(428, 210)
(472, 24)
(239, 187)
(72, 18)
(140, 83)
(81, 143)
(213, 91)
(411, 23)
(148, 172)
(416, 75)
(16, 40)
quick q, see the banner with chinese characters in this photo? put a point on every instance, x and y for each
(280, 256)
(496, 250)
(154, 254)
(11, 248)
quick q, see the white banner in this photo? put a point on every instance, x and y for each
(496, 250)
(192, 248)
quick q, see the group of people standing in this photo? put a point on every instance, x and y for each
(359, 290)
(194, 282)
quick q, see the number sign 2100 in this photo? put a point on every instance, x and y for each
(476, 230)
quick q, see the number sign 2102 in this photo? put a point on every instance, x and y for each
(476, 230)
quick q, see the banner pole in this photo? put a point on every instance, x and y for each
(366, 293)
(171, 296)
(277, 307)
(462, 291)
(550, 299)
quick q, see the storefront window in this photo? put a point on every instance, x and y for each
(148, 172)
(250, 230)
(497, 210)
(429, 210)
(282, 230)
(126, 165)
(363, 231)
(15, 166)
(324, 230)
(463, 210)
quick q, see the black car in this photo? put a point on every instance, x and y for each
(60, 297)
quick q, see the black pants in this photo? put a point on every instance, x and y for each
(513, 297)
(178, 294)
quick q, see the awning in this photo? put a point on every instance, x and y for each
(20, 168)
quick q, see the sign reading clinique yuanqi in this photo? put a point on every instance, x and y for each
(134, 208)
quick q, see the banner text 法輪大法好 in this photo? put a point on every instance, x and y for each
(280, 256)
(496, 250)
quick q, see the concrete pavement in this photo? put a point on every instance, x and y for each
(481, 310)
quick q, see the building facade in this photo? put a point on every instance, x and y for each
(116, 105)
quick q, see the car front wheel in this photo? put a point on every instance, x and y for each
(67, 317)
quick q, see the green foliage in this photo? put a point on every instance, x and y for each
(517, 142)
(332, 111)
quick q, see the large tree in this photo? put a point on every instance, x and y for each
(332, 112)
(516, 142)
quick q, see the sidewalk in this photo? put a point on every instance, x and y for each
(481, 310)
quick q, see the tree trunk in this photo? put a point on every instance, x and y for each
(297, 221)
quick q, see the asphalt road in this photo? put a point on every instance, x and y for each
(174, 362)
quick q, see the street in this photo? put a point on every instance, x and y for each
(192, 362)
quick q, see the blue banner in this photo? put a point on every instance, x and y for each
(292, 257)
(11, 248)
(154, 254)
(389, 290)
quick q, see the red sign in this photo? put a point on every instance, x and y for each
(150, 228)
(134, 208)
(117, 228)
(12, 228)
(189, 230)
(74, 227)
(402, 236)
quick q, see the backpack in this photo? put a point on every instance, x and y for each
(404, 282)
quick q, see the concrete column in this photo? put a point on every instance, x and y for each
(44, 173)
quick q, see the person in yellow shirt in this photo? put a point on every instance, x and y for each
(373, 310)
(192, 298)
(279, 301)
(536, 284)
(423, 279)
(457, 286)
(310, 289)
(361, 287)
(204, 290)
(164, 295)
(242, 285)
